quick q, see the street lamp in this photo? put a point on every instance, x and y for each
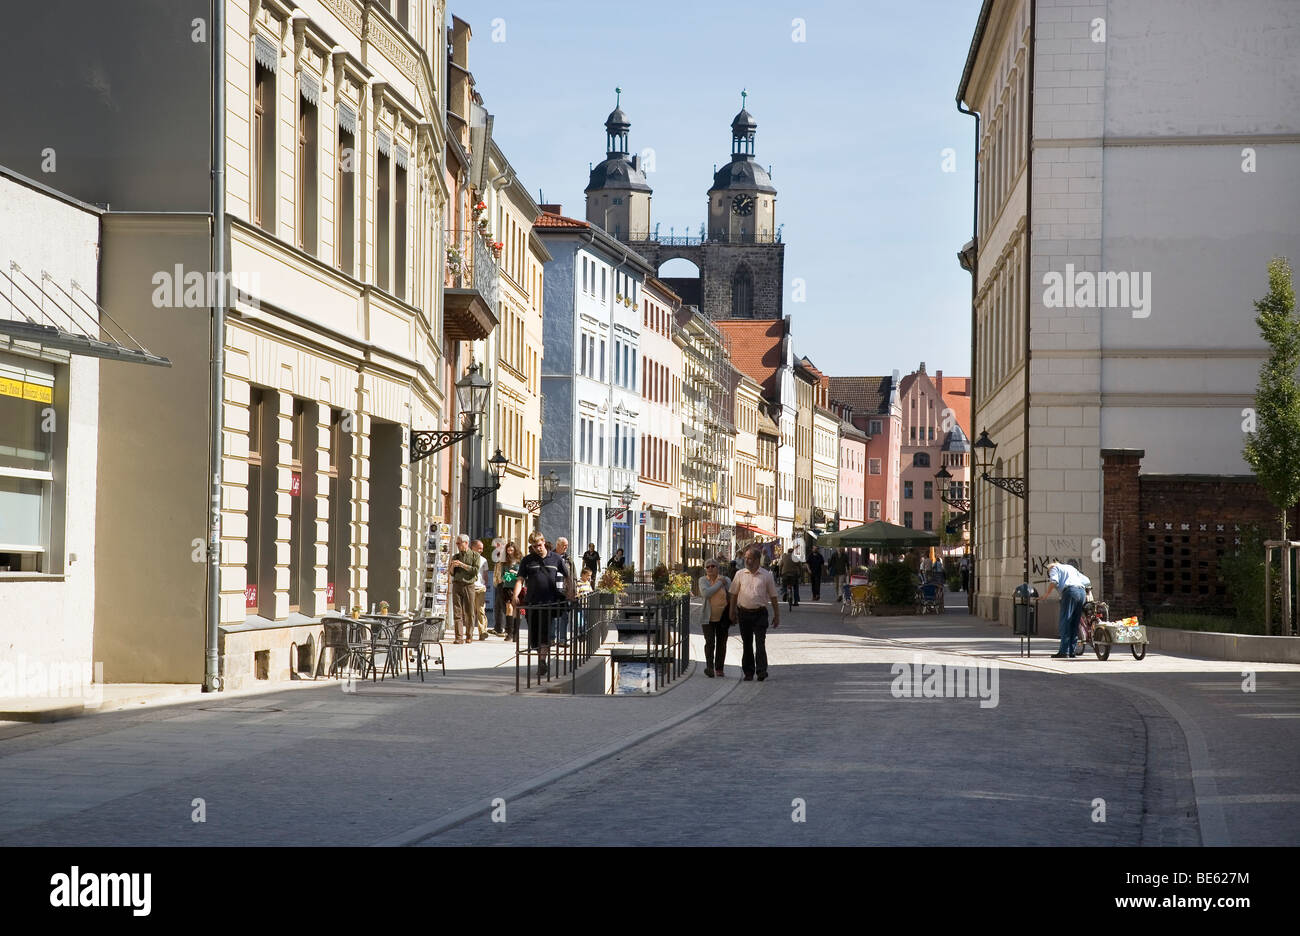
(498, 464)
(944, 477)
(550, 483)
(471, 400)
(985, 449)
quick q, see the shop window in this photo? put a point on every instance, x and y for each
(29, 502)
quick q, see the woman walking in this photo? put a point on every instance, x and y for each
(503, 575)
(714, 588)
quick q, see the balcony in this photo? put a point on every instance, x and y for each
(471, 284)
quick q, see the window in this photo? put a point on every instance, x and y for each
(346, 198)
(929, 490)
(602, 285)
(340, 481)
(297, 528)
(264, 149)
(28, 425)
(874, 427)
(913, 433)
(929, 520)
(602, 360)
(399, 238)
(308, 173)
(907, 490)
(907, 519)
(921, 460)
(873, 466)
(874, 510)
(383, 194)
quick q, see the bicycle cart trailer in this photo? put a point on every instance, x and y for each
(1107, 634)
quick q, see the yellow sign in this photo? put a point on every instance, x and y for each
(26, 391)
(37, 393)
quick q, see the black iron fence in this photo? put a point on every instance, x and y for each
(554, 640)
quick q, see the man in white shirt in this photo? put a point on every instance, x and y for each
(1070, 582)
(752, 589)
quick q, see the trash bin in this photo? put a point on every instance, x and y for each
(1024, 615)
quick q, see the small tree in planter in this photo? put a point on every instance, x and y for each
(660, 577)
(611, 583)
(895, 584)
(678, 584)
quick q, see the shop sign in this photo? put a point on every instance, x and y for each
(295, 485)
(250, 596)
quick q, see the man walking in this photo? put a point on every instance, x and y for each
(790, 575)
(464, 573)
(591, 560)
(480, 591)
(965, 573)
(539, 575)
(568, 585)
(815, 564)
(1070, 582)
(839, 569)
(751, 590)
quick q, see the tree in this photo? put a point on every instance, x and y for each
(1273, 449)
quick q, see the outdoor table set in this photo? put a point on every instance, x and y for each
(356, 642)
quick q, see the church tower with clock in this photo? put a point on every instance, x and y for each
(738, 253)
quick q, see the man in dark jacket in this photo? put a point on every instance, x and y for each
(815, 563)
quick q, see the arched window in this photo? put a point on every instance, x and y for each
(742, 294)
(921, 460)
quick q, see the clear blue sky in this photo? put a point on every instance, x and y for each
(853, 121)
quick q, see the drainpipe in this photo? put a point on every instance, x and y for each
(974, 382)
(216, 348)
(1029, 230)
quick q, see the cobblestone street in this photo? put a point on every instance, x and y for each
(709, 761)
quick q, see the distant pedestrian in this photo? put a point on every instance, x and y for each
(751, 591)
(1070, 582)
(790, 575)
(715, 619)
(591, 560)
(815, 564)
(839, 567)
(568, 586)
(617, 562)
(464, 573)
(480, 591)
(965, 573)
(504, 574)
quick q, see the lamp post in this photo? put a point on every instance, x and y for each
(471, 401)
(497, 464)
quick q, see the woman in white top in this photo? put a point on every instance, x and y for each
(713, 617)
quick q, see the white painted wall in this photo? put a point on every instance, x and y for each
(49, 621)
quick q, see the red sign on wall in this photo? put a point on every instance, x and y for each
(250, 596)
(295, 485)
(329, 593)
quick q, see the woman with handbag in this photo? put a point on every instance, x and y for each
(503, 576)
(714, 588)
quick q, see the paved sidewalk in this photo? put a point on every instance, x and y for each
(312, 763)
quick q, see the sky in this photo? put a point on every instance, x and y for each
(855, 103)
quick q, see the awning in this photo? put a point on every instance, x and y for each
(50, 316)
(757, 531)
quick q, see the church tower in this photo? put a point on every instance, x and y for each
(742, 201)
(618, 197)
(739, 254)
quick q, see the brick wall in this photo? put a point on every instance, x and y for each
(1165, 535)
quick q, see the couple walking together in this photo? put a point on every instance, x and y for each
(744, 600)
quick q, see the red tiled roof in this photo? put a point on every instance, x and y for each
(756, 349)
(548, 220)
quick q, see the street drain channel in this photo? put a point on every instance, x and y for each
(238, 710)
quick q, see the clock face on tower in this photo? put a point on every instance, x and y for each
(743, 204)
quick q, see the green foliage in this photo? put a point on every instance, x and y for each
(1273, 449)
(1243, 573)
(678, 584)
(612, 582)
(895, 582)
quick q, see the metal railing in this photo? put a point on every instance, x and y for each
(576, 629)
(471, 264)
